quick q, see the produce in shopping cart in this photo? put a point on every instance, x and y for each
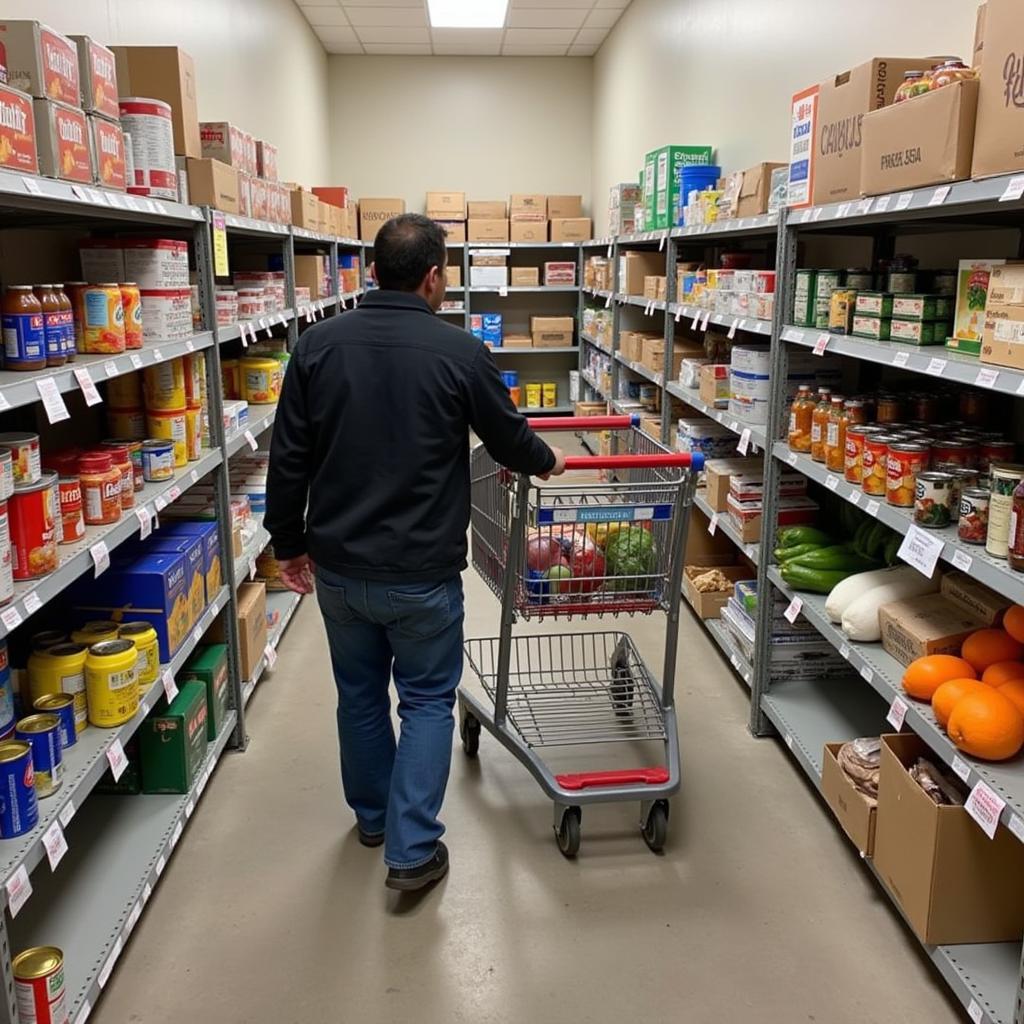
(587, 564)
(630, 557)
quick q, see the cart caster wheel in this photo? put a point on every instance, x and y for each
(622, 695)
(469, 731)
(655, 831)
(568, 833)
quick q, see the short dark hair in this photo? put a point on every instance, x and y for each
(405, 249)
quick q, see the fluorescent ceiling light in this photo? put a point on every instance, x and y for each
(467, 13)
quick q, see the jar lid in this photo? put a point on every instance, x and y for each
(95, 462)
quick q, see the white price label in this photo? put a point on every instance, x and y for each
(33, 602)
(713, 524)
(985, 806)
(817, 212)
(55, 843)
(110, 368)
(243, 334)
(251, 440)
(679, 313)
(133, 919)
(19, 888)
(197, 635)
(744, 442)
(975, 1012)
(903, 200)
(4, 403)
(145, 518)
(872, 508)
(174, 493)
(864, 206)
(897, 713)
(160, 865)
(732, 328)
(882, 204)
(986, 378)
(194, 476)
(962, 560)
(901, 359)
(705, 321)
(1016, 826)
(831, 482)
(190, 345)
(936, 367)
(661, 244)
(939, 195)
(160, 502)
(844, 651)
(734, 427)
(961, 769)
(1020, 388)
(853, 497)
(921, 549)
(11, 618)
(696, 321)
(158, 356)
(1014, 189)
(136, 360)
(32, 186)
(821, 344)
(189, 808)
(170, 686)
(88, 385)
(108, 967)
(867, 673)
(84, 1012)
(67, 812)
(117, 758)
(176, 834)
(608, 301)
(788, 740)
(252, 568)
(844, 210)
(270, 653)
(100, 557)
(792, 611)
(53, 400)
(503, 291)
(792, 458)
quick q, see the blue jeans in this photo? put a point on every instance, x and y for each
(414, 631)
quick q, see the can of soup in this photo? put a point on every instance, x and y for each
(59, 669)
(39, 986)
(42, 734)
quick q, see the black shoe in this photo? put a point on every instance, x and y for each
(371, 839)
(411, 879)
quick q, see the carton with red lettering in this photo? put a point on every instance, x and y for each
(266, 160)
(62, 141)
(37, 60)
(107, 142)
(17, 131)
(97, 73)
(223, 141)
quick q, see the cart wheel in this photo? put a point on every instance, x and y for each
(622, 694)
(655, 831)
(568, 833)
(469, 731)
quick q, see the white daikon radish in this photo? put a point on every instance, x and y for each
(845, 593)
(860, 620)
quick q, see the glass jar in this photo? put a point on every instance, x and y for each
(24, 340)
(53, 324)
(819, 424)
(949, 72)
(913, 84)
(800, 414)
(67, 315)
(835, 435)
(101, 489)
(1016, 536)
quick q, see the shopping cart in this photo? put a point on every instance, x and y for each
(609, 545)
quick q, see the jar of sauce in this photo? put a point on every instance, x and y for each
(819, 424)
(800, 413)
(53, 324)
(101, 489)
(835, 436)
(67, 319)
(24, 337)
(122, 461)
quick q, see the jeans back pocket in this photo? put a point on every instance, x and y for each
(421, 612)
(333, 602)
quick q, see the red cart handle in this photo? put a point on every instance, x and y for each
(666, 461)
(584, 422)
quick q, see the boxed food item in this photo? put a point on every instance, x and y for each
(1000, 124)
(748, 485)
(375, 213)
(631, 345)
(571, 229)
(487, 210)
(560, 207)
(855, 811)
(560, 272)
(518, 341)
(106, 141)
(252, 627)
(635, 266)
(266, 164)
(974, 598)
(17, 131)
(528, 206)
(922, 307)
(446, 205)
(62, 141)
(97, 76)
(655, 286)
(220, 140)
(212, 183)
(663, 166)
(213, 571)
(919, 332)
(927, 142)
(552, 331)
(755, 190)
(525, 277)
(1002, 340)
(492, 328)
(209, 665)
(590, 409)
(747, 515)
(191, 550)
(305, 209)
(529, 231)
(173, 742)
(488, 258)
(164, 73)
(453, 275)
(718, 472)
(714, 385)
(487, 231)
(875, 327)
(931, 624)
(40, 61)
(921, 849)
(488, 277)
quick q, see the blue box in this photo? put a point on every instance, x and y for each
(191, 548)
(213, 568)
(492, 329)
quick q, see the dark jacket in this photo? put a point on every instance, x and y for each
(373, 429)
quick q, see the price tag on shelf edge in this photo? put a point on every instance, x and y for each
(713, 524)
(679, 313)
(844, 652)
(100, 557)
(117, 759)
(110, 368)
(11, 618)
(939, 195)
(872, 508)
(792, 612)
(882, 204)
(921, 549)
(84, 1012)
(33, 602)
(31, 185)
(145, 518)
(985, 806)
(67, 812)
(961, 769)
(831, 482)
(176, 834)
(867, 673)
(104, 976)
(189, 808)
(1016, 826)
(190, 345)
(251, 440)
(903, 200)
(744, 443)
(733, 328)
(136, 360)
(88, 385)
(170, 686)
(1014, 189)
(962, 561)
(936, 367)
(853, 497)
(705, 321)
(821, 344)
(696, 321)
(270, 653)
(975, 1012)
(901, 359)
(986, 378)
(53, 400)
(19, 888)
(792, 458)
(55, 844)
(897, 713)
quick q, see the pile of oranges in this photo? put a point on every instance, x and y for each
(978, 697)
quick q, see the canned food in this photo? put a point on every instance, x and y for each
(859, 279)
(143, 635)
(134, 455)
(549, 395)
(933, 499)
(6, 695)
(194, 367)
(874, 463)
(131, 301)
(533, 396)
(39, 986)
(163, 385)
(127, 422)
(170, 425)
(96, 632)
(62, 707)
(122, 462)
(261, 381)
(101, 488)
(103, 330)
(157, 460)
(42, 734)
(963, 477)
(904, 461)
(6, 473)
(902, 282)
(33, 513)
(972, 527)
(111, 682)
(989, 451)
(69, 497)
(125, 392)
(6, 558)
(59, 668)
(952, 450)
(193, 434)
(1004, 477)
(19, 805)
(47, 638)
(25, 462)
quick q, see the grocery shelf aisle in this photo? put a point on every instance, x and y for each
(759, 910)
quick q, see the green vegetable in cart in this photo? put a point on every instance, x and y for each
(630, 557)
(793, 535)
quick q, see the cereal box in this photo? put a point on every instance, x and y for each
(212, 567)
(191, 548)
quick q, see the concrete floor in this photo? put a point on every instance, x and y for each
(271, 912)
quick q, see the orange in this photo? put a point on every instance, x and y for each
(1013, 622)
(949, 694)
(1014, 691)
(925, 675)
(987, 725)
(1002, 672)
(985, 647)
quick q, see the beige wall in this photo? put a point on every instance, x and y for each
(722, 72)
(487, 126)
(258, 62)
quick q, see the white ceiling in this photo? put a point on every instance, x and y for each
(535, 28)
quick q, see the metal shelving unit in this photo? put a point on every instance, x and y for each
(286, 604)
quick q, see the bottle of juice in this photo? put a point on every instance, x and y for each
(819, 423)
(800, 412)
(835, 435)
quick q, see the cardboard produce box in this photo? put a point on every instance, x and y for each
(653, 356)
(912, 144)
(108, 161)
(211, 183)
(350, 221)
(709, 605)
(309, 273)
(561, 207)
(173, 742)
(755, 190)
(590, 409)
(997, 146)
(529, 231)
(704, 549)
(1002, 340)
(854, 810)
(979, 36)
(266, 164)
(924, 625)
(714, 385)
(951, 881)
(528, 206)
(571, 229)
(517, 341)
(38, 60)
(552, 331)
(453, 275)
(718, 472)
(974, 598)
(375, 213)
(525, 277)
(487, 231)
(165, 73)
(18, 132)
(446, 205)
(487, 209)
(454, 230)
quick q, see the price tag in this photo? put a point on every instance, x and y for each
(160, 502)
(136, 360)
(145, 518)
(158, 356)
(1014, 189)
(816, 214)
(53, 400)
(33, 602)
(792, 612)
(744, 443)
(962, 560)
(67, 812)
(160, 865)
(243, 335)
(4, 404)
(985, 806)
(921, 550)
(872, 508)
(189, 808)
(176, 834)
(84, 1012)
(897, 713)
(661, 244)
(713, 524)
(251, 440)
(705, 321)
(116, 757)
(901, 359)
(268, 328)
(190, 345)
(732, 328)
(608, 301)
(821, 344)
(986, 378)
(55, 843)
(110, 368)
(696, 321)
(88, 386)
(1016, 826)
(100, 557)
(867, 673)
(133, 919)
(32, 186)
(792, 458)
(270, 653)
(194, 476)
(903, 200)
(864, 206)
(170, 686)
(975, 1012)
(679, 313)
(174, 493)
(844, 652)
(882, 204)
(831, 482)
(844, 210)
(11, 618)
(19, 888)
(936, 367)
(853, 497)
(788, 740)
(961, 768)
(108, 967)
(939, 195)
(218, 228)
(197, 635)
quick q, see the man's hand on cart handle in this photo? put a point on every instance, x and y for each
(559, 467)
(297, 574)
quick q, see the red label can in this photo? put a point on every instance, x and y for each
(853, 459)
(72, 522)
(873, 462)
(994, 451)
(903, 463)
(39, 985)
(962, 453)
(33, 515)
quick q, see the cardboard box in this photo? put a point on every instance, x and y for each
(191, 549)
(747, 516)
(62, 142)
(309, 273)
(525, 277)
(212, 565)
(979, 36)
(335, 195)
(17, 132)
(756, 190)
(97, 74)
(552, 331)
(528, 206)
(488, 277)
(704, 549)
(1002, 340)
(653, 356)
(487, 210)
(1000, 125)
(223, 141)
(590, 409)
(571, 229)
(631, 345)
(906, 147)
(305, 209)
(209, 665)
(663, 165)
(446, 205)
(454, 230)
(517, 341)
(710, 605)
(487, 231)
(211, 183)
(635, 266)
(453, 275)
(714, 385)
(951, 881)
(165, 73)
(655, 286)
(266, 162)
(375, 213)
(252, 627)
(854, 810)
(173, 742)
(562, 207)
(974, 598)
(40, 61)
(488, 258)
(107, 141)
(718, 472)
(350, 221)
(924, 625)
(529, 231)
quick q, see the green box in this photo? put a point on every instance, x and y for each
(667, 161)
(968, 346)
(174, 742)
(130, 783)
(209, 665)
(648, 182)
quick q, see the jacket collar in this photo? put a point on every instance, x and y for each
(396, 300)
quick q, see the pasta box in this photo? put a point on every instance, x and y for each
(173, 742)
(62, 141)
(17, 131)
(213, 568)
(39, 61)
(209, 665)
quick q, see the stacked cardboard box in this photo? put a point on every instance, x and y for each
(529, 217)
(565, 214)
(622, 203)
(552, 331)
(449, 210)
(488, 270)
(375, 213)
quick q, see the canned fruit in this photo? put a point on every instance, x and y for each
(874, 463)
(25, 462)
(111, 682)
(903, 463)
(127, 423)
(125, 392)
(34, 515)
(1004, 478)
(103, 329)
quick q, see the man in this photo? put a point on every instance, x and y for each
(372, 431)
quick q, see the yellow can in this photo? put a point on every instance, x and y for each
(195, 384)
(170, 425)
(143, 635)
(164, 386)
(60, 669)
(261, 380)
(193, 434)
(231, 378)
(533, 396)
(127, 423)
(95, 632)
(550, 396)
(112, 682)
(125, 392)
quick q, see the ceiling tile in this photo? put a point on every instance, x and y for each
(577, 5)
(467, 40)
(394, 35)
(533, 50)
(540, 36)
(403, 49)
(337, 35)
(318, 3)
(619, 5)
(543, 17)
(393, 17)
(382, 3)
(576, 50)
(602, 19)
(317, 16)
(590, 36)
(343, 48)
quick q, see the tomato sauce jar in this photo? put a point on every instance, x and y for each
(23, 328)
